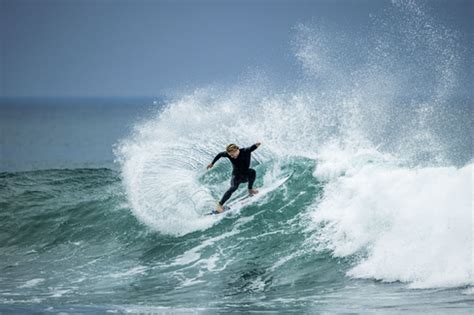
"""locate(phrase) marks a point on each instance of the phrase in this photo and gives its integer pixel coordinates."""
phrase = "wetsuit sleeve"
(218, 156)
(253, 147)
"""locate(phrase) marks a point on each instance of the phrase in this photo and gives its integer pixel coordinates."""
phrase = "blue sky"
(145, 48)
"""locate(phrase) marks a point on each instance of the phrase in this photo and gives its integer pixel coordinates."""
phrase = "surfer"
(241, 173)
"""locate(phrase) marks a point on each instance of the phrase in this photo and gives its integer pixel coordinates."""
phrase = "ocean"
(102, 201)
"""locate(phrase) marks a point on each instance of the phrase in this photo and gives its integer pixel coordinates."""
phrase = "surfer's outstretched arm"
(254, 146)
(218, 156)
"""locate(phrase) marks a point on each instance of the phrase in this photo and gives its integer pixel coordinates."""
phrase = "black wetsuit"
(241, 172)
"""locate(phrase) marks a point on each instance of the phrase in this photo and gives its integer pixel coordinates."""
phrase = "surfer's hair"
(231, 147)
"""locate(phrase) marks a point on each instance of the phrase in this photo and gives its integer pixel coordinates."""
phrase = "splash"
(382, 101)
(407, 224)
(400, 209)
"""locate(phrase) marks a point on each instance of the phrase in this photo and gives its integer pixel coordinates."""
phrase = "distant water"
(101, 202)
(42, 133)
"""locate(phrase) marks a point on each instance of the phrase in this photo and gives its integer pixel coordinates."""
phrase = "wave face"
(380, 202)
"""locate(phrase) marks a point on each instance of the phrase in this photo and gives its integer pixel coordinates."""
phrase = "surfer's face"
(234, 154)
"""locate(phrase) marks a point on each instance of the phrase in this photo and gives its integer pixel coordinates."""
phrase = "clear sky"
(131, 48)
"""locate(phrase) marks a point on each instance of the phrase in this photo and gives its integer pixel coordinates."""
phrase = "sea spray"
(405, 224)
(395, 186)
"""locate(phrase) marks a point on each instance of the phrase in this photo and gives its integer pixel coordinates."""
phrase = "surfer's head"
(233, 150)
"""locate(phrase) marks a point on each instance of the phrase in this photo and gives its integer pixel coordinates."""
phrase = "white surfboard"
(244, 201)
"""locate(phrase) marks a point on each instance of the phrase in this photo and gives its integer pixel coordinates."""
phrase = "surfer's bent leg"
(234, 184)
(252, 175)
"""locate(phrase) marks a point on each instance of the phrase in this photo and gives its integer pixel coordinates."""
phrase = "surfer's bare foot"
(219, 207)
(253, 192)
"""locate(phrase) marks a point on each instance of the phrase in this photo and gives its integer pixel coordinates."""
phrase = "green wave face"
(70, 235)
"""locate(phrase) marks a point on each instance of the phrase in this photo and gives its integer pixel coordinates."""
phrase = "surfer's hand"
(258, 144)
(210, 166)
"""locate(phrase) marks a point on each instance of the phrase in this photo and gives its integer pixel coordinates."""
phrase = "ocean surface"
(102, 200)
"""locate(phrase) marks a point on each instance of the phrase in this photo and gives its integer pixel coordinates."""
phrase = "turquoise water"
(71, 243)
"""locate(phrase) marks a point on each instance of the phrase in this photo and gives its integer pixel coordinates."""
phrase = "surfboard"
(244, 201)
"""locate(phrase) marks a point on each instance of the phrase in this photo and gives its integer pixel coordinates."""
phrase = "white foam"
(468, 291)
(57, 292)
(194, 254)
(15, 301)
(132, 272)
(163, 161)
(413, 224)
(32, 283)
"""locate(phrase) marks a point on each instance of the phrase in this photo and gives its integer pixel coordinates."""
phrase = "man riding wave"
(241, 171)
